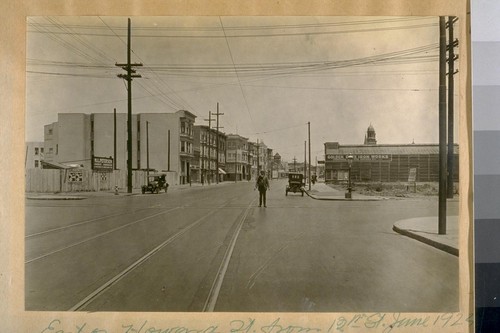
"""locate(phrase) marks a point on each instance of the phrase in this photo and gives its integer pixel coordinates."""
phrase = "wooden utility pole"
(305, 161)
(442, 128)
(209, 143)
(309, 139)
(452, 43)
(147, 150)
(114, 139)
(258, 153)
(130, 74)
(217, 141)
(168, 152)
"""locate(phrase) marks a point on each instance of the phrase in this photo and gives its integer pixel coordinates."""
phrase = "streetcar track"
(253, 277)
(102, 289)
(99, 235)
(87, 300)
(213, 295)
(106, 217)
(79, 224)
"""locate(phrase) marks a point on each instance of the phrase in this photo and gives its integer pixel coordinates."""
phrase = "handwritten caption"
(376, 322)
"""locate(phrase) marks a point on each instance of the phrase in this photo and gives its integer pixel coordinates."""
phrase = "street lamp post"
(348, 195)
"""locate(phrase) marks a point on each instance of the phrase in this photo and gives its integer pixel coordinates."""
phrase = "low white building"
(77, 137)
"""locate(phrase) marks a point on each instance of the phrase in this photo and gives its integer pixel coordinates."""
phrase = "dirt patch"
(398, 190)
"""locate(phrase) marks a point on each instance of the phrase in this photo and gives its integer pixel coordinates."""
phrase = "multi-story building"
(34, 155)
(222, 151)
(270, 162)
(252, 160)
(262, 161)
(277, 168)
(237, 167)
(211, 160)
(168, 137)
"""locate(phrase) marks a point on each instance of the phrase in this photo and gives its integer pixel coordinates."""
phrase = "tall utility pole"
(114, 139)
(130, 74)
(309, 139)
(442, 127)
(258, 153)
(305, 161)
(209, 142)
(168, 152)
(217, 141)
(147, 149)
(294, 164)
(452, 43)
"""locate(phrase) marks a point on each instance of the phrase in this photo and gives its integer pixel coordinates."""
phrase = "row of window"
(187, 128)
(186, 147)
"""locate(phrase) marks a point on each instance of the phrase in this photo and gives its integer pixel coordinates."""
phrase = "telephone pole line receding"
(309, 139)
(130, 74)
(217, 142)
(209, 145)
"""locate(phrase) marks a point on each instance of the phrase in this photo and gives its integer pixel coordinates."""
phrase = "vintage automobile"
(295, 183)
(156, 183)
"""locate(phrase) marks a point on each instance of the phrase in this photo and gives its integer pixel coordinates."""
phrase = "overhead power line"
(158, 33)
(246, 27)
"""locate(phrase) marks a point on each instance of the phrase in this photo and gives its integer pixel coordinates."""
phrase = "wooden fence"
(72, 180)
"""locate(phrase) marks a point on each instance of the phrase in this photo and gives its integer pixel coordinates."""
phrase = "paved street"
(212, 249)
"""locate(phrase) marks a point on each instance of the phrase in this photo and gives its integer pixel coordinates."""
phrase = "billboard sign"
(102, 164)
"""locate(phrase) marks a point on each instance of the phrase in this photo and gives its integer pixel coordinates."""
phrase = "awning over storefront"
(222, 171)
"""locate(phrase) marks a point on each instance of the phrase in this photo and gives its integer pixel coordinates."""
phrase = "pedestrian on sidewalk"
(262, 185)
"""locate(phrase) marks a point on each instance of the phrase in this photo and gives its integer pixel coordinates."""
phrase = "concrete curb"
(56, 198)
(339, 198)
(443, 247)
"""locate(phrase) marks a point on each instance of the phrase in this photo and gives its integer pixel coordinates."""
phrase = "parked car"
(156, 183)
(295, 183)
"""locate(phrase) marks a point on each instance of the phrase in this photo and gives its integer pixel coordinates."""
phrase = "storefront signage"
(358, 157)
(103, 164)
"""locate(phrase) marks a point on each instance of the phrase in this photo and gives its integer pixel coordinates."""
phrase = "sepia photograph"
(242, 164)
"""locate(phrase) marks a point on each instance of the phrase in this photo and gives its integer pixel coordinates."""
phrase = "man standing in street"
(262, 185)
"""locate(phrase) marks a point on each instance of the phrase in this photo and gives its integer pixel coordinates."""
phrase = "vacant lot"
(395, 189)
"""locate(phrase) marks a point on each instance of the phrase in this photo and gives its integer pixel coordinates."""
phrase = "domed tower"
(370, 136)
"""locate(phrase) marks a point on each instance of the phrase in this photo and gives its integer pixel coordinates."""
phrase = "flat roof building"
(374, 162)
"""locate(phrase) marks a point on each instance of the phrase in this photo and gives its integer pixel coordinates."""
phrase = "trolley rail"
(212, 294)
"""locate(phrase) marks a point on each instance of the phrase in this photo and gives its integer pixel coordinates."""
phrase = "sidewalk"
(121, 192)
(321, 191)
(425, 229)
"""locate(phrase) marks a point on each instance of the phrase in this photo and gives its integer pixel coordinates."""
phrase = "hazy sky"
(270, 75)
